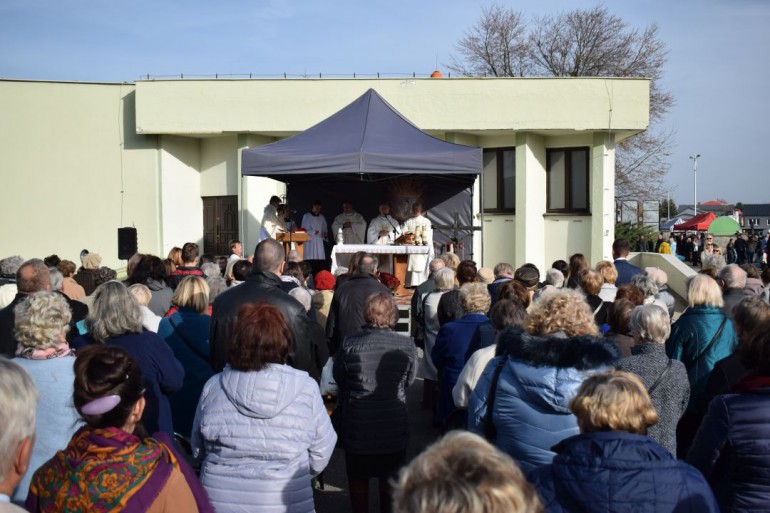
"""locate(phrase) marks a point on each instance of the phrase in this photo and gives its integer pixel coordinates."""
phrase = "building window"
(567, 180)
(500, 180)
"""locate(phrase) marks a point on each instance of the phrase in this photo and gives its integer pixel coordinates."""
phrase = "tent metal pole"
(481, 212)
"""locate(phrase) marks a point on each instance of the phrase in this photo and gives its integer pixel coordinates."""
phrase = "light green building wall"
(79, 160)
(74, 170)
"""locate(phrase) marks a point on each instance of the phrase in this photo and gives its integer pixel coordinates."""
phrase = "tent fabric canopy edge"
(367, 136)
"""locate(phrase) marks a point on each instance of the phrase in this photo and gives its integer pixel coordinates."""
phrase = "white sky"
(718, 67)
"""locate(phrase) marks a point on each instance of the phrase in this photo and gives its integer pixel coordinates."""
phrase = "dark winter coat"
(689, 339)
(346, 315)
(615, 471)
(373, 368)
(188, 338)
(671, 395)
(727, 372)
(162, 373)
(541, 375)
(307, 352)
(8, 341)
(732, 449)
(448, 356)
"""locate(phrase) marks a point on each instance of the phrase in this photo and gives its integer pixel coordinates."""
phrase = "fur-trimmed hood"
(555, 350)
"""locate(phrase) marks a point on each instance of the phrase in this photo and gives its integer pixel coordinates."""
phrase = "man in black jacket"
(346, 314)
(263, 284)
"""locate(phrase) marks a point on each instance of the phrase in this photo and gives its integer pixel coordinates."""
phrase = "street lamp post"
(695, 182)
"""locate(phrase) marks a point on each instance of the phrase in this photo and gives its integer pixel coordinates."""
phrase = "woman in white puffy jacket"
(261, 429)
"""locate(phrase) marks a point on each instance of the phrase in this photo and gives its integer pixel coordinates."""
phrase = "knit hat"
(92, 261)
(657, 275)
(486, 275)
(324, 280)
(527, 276)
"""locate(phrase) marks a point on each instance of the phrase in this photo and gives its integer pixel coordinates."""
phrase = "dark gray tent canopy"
(369, 141)
(368, 136)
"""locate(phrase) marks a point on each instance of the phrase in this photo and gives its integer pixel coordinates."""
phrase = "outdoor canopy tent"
(367, 136)
(368, 152)
(699, 222)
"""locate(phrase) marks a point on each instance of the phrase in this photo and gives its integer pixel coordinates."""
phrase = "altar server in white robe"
(269, 217)
(352, 223)
(274, 223)
(318, 230)
(383, 229)
(417, 266)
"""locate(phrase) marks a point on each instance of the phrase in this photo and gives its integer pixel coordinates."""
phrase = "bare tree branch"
(582, 42)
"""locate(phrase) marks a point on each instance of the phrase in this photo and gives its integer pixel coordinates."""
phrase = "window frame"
(499, 185)
(568, 155)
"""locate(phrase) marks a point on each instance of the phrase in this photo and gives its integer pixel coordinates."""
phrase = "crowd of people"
(203, 384)
(740, 249)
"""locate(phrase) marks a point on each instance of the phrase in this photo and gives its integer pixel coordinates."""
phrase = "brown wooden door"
(220, 223)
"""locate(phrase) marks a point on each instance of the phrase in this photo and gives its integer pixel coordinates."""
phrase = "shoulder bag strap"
(489, 426)
(187, 340)
(660, 378)
(713, 341)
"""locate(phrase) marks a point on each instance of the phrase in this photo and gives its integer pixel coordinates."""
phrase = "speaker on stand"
(127, 245)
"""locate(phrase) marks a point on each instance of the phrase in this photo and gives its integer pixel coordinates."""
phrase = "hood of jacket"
(155, 285)
(546, 372)
(555, 350)
(262, 394)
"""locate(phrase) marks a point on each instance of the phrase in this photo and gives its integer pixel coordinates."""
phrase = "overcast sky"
(718, 68)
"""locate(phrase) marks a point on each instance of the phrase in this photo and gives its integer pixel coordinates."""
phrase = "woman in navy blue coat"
(731, 447)
(186, 332)
(452, 343)
(115, 319)
(612, 465)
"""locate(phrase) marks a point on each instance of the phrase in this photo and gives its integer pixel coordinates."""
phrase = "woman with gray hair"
(18, 396)
(445, 281)
(41, 322)
(115, 319)
(665, 379)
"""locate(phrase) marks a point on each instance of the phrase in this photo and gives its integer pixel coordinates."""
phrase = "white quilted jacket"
(261, 436)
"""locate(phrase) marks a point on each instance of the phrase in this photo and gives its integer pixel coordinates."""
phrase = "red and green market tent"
(700, 222)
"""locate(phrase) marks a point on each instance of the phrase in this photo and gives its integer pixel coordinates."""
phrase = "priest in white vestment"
(352, 223)
(383, 229)
(274, 223)
(318, 230)
(417, 266)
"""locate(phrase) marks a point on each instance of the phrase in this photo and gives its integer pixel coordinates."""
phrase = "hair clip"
(101, 405)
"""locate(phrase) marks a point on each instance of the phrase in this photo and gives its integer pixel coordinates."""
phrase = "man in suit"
(626, 271)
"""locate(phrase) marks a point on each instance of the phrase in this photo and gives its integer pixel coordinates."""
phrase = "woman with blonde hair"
(612, 465)
(464, 473)
(41, 324)
(701, 337)
(521, 401)
(609, 276)
(187, 334)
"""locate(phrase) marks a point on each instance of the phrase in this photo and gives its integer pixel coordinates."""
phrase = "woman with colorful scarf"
(108, 465)
(41, 323)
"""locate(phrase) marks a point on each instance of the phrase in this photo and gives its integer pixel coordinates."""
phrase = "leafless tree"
(581, 42)
(498, 45)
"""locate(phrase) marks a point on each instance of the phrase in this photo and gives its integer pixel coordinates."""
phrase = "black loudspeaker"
(126, 243)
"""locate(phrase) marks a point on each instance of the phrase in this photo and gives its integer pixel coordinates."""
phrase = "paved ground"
(335, 499)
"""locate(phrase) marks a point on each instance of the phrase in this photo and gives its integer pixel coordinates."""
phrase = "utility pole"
(695, 182)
